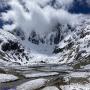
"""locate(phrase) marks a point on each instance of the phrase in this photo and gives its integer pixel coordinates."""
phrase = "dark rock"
(6, 47)
(1, 41)
(58, 35)
(58, 50)
(2, 71)
(13, 45)
(34, 38)
(42, 62)
(20, 50)
(19, 32)
(69, 45)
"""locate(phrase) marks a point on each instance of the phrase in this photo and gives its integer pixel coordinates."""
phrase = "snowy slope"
(11, 50)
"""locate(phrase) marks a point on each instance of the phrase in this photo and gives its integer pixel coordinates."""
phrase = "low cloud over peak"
(40, 16)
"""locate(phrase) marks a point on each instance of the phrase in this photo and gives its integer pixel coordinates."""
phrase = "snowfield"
(80, 74)
(87, 66)
(76, 87)
(7, 78)
(42, 74)
(32, 85)
(50, 88)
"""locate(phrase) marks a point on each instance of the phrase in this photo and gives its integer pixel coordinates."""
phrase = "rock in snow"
(32, 85)
(7, 78)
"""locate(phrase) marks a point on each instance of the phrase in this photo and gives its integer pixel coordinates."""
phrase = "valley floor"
(44, 77)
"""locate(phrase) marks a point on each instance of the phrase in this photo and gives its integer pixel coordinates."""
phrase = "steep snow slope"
(11, 50)
(75, 46)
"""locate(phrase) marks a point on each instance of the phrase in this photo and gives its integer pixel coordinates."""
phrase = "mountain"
(69, 45)
(11, 50)
(72, 49)
(54, 39)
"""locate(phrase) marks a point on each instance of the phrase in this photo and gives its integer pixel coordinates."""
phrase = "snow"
(42, 74)
(76, 87)
(44, 49)
(50, 88)
(79, 74)
(7, 77)
(63, 67)
(4, 35)
(40, 16)
(43, 52)
(33, 84)
(87, 66)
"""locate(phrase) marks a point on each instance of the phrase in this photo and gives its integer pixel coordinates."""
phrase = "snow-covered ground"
(76, 87)
(79, 74)
(41, 74)
(50, 88)
(7, 78)
(87, 66)
(33, 84)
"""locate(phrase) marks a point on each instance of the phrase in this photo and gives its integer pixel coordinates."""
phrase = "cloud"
(41, 20)
(65, 4)
(88, 2)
